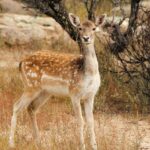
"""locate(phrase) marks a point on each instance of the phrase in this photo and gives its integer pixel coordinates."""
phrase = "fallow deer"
(47, 73)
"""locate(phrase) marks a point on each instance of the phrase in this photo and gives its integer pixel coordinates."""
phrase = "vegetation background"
(121, 120)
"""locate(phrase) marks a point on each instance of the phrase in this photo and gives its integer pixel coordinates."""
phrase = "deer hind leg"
(88, 106)
(80, 121)
(32, 109)
(19, 106)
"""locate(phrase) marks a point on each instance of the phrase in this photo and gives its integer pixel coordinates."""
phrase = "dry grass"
(58, 130)
(57, 123)
(114, 130)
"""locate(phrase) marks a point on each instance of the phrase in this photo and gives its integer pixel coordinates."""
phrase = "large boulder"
(22, 29)
(127, 8)
(13, 6)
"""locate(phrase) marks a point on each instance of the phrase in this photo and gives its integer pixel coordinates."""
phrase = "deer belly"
(55, 85)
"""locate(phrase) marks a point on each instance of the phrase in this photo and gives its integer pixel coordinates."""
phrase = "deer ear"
(75, 21)
(100, 20)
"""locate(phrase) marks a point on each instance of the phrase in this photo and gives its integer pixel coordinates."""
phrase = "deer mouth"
(89, 41)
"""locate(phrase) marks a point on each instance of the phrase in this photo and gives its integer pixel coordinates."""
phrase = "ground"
(58, 131)
(114, 130)
(56, 121)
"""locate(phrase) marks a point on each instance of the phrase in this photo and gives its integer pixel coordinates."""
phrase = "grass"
(117, 127)
(116, 130)
(58, 130)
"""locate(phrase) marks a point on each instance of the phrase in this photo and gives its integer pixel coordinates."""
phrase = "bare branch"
(133, 17)
(90, 7)
(122, 39)
(134, 62)
(57, 10)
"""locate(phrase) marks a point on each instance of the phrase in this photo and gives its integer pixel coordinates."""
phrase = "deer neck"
(90, 59)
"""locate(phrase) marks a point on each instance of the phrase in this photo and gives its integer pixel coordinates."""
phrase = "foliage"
(134, 62)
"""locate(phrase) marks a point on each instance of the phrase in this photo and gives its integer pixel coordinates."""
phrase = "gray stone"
(22, 29)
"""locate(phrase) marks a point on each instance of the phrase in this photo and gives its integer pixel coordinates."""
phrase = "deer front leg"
(80, 121)
(88, 105)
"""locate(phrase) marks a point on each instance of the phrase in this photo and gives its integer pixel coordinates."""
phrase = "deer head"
(88, 28)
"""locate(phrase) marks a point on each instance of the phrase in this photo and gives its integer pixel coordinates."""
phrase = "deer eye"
(80, 28)
(94, 29)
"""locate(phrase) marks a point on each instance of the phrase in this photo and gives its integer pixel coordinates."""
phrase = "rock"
(12, 6)
(127, 8)
(22, 29)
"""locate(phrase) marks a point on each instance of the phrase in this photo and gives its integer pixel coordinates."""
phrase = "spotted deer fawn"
(47, 73)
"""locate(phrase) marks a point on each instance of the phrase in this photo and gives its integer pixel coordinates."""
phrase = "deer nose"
(86, 38)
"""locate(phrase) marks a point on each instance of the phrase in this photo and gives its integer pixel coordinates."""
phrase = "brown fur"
(88, 24)
(65, 66)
